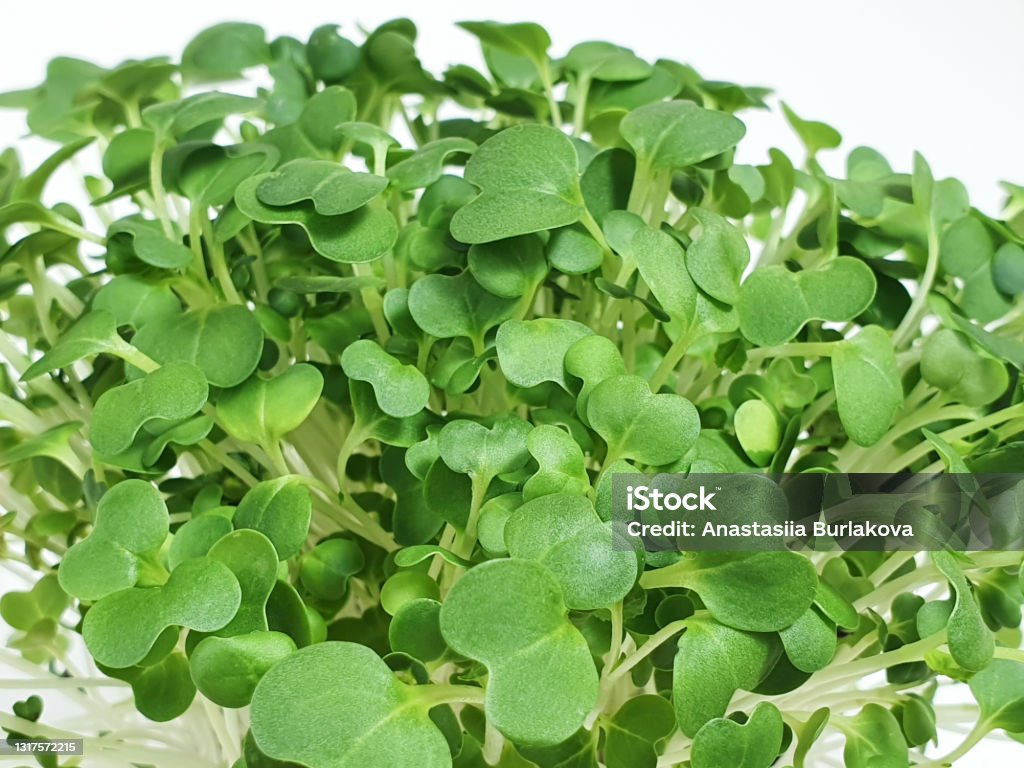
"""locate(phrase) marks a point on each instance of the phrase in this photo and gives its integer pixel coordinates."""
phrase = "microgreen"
(313, 411)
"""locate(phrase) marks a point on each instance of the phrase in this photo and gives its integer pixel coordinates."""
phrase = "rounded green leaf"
(757, 428)
(401, 390)
(131, 520)
(542, 680)
(280, 509)
(675, 134)
(363, 235)
(263, 411)
(531, 352)
(324, 571)
(170, 393)
(867, 384)
(636, 424)
(226, 670)
(542, 193)
(447, 307)
(508, 268)
(200, 594)
(416, 630)
(713, 661)
(475, 450)
(717, 258)
(332, 188)
(374, 720)
(224, 342)
(754, 744)
(950, 363)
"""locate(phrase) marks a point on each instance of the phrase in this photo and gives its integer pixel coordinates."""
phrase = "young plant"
(309, 414)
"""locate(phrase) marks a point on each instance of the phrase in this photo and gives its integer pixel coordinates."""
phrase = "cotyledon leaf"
(224, 342)
(365, 234)
(531, 352)
(401, 389)
(541, 192)
(674, 134)
(332, 188)
(262, 410)
(867, 384)
(542, 680)
(338, 705)
(174, 391)
(131, 520)
(120, 629)
(563, 532)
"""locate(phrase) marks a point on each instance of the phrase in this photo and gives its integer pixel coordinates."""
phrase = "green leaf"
(757, 428)
(150, 244)
(520, 39)
(713, 662)
(867, 384)
(508, 268)
(364, 234)
(224, 342)
(447, 307)
(810, 641)
(636, 731)
(560, 460)
(426, 165)
(226, 670)
(808, 733)
(874, 740)
(754, 744)
(135, 301)
(543, 193)
(717, 258)
(263, 411)
(281, 510)
(563, 532)
(483, 453)
(542, 681)
(949, 363)
(250, 556)
(375, 719)
(94, 333)
(970, 642)
(651, 429)
(999, 691)
(333, 188)
(131, 521)
(171, 393)
(814, 135)
(675, 134)
(531, 352)
(324, 570)
(200, 594)
(223, 51)
(774, 303)
(416, 630)
(401, 390)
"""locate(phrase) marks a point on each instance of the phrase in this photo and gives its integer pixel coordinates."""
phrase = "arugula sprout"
(310, 414)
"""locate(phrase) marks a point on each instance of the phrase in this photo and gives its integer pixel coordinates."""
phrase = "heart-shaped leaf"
(949, 363)
(675, 134)
(131, 521)
(365, 234)
(120, 629)
(447, 307)
(94, 333)
(401, 390)
(562, 467)
(262, 410)
(754, 744)
(173, 392)
(375, 719)
(426, 165)
(531, 352)
(651, 429)
(543, 193)
(542, 680)
(867, 384)
(564, 533)
(227, 669)
(712, 663)
(332, 188)
(280, 509)
(224, 342)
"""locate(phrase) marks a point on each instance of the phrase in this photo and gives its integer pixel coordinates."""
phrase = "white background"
(941, 77)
